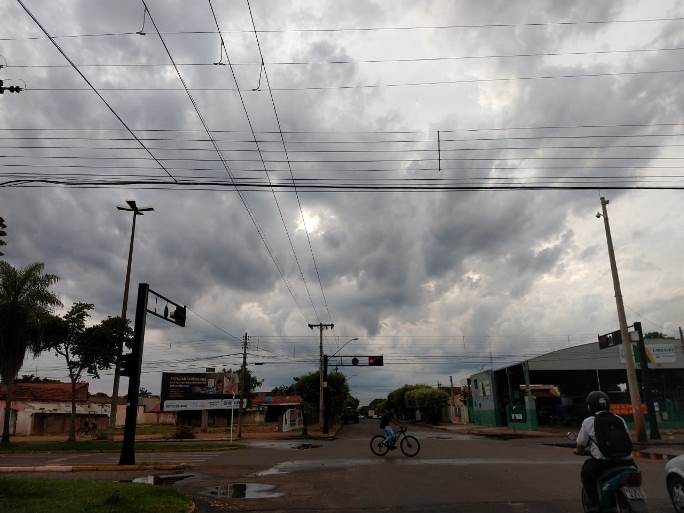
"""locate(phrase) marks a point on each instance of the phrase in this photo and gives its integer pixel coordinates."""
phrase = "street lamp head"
(599, 215)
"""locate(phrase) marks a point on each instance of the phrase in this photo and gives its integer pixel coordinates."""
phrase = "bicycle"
(408, 444)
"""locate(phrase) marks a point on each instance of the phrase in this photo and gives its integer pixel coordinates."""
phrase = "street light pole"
(132, 207)
(639, 423)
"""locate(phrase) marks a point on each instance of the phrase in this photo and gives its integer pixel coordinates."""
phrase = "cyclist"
(388, 418)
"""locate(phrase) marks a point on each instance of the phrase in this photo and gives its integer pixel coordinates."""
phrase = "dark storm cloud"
(471, 263)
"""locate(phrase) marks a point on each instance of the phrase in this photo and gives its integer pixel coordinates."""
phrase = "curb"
(92, 468)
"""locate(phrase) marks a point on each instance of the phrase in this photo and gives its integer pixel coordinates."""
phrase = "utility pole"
(453, 398)
(681, 336)
(646, 383)
(639, 422)
(322, 384)
(243, 385)
(132, 207)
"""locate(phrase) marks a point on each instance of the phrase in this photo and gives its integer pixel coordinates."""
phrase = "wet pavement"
(453, 472)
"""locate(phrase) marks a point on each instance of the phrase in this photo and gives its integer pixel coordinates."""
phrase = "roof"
(662, 354)
(46, 392)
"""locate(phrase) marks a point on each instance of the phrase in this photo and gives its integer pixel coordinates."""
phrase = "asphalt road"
(453, 473)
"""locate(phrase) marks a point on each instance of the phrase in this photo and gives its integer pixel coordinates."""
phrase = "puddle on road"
(245, 491)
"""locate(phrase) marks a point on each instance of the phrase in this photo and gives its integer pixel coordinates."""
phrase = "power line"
(93, 88)
(380, 85)
(263, 163)
(453, 130)
(262, 236)
(361, 61)
(369, 29)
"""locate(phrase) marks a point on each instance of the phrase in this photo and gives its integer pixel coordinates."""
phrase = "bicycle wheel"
(410, 446)
(377, 445)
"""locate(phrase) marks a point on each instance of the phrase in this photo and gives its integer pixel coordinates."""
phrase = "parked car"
(674, 476)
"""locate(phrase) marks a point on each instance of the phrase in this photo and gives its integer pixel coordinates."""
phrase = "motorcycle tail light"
(631, 479)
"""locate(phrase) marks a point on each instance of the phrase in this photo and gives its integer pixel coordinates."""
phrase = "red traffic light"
(375, 361)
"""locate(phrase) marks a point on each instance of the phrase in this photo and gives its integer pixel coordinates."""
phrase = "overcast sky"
(511, 273)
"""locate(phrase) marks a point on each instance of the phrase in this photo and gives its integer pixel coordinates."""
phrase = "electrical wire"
(287, 157)
(359, 61)
(373, 29)
(262, 235)
(93, 88)
(379, 85)
(224, 49)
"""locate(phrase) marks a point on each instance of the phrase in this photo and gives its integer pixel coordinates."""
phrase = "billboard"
(199, 390)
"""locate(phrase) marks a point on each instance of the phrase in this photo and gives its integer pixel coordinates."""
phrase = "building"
(559, 382)
(45, 408)
(456, 411)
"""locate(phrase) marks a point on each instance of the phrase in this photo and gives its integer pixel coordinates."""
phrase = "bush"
(100, 435)
(183, 433)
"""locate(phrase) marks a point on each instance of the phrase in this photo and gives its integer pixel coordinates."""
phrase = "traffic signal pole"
(646, 384)
(639, 423)
(128, 448)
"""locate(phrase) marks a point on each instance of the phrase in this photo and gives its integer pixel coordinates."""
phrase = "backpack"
(612, 437)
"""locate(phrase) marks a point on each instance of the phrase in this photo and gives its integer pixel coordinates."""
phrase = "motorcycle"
(619, 490)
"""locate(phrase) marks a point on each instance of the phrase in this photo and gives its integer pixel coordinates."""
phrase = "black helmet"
(597, 401)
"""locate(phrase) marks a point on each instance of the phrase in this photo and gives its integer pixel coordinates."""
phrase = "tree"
(283, 390)
(396, 400)
(26, 300)
(144, 392)
(429, 401)
(252, 380)
(307, 386)
(84, 349)
(656, 334)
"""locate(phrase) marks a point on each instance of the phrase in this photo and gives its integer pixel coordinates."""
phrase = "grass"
(105, 446)
(28, 495)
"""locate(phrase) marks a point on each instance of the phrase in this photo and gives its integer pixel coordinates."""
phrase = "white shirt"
(587, 437)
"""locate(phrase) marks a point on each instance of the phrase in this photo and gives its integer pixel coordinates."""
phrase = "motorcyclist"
(588, 443)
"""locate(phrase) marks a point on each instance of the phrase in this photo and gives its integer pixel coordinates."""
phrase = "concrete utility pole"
(243, 385)
(639, 423)
(321, 403)
(132, 207)
(453, 398)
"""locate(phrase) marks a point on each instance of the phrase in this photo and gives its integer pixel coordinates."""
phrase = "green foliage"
(254, 382)
(144, 392)
(26, 300)
(307, 386)
(35, 495)
(374, 403)
(351, 403)
(429, 401)
(405, 400)
(283, 390)
(84, 349)
(657, 334)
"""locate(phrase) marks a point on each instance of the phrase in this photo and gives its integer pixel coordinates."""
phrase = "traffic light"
(355, 361)
(128, 365)
(3, 233)
(11, 89)
(178, 315)
(375, 361)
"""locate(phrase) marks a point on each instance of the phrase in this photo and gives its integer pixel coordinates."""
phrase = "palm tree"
(25, 300)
